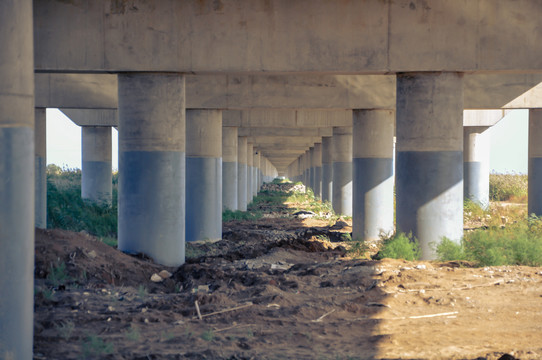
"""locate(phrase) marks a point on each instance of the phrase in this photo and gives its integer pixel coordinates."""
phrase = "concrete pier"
(317, 166)
(255, 172)
(342, 170)
(96, 176)
(203, 175)
(152, 166)
(535, 162)
(372, 173)
(429, 169)
(230, 171)
(250, 177)
(327, 168)
(40, 168)
(17, 162)
(311, 161)
(241, 173)
(476, 143)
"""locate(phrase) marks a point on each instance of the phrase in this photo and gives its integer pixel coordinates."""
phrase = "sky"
(508, 152)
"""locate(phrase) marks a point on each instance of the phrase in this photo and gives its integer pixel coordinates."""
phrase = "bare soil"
(276, 289)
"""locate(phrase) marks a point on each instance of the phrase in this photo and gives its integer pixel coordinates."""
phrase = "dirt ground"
(275, 288)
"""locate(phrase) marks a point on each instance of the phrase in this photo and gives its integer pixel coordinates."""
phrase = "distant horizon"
(508, 152)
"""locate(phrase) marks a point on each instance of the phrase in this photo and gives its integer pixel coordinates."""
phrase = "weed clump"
(399, 246)
(508, 187)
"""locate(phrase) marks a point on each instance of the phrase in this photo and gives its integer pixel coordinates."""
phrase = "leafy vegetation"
(67, 210)
(95, 347)
(508, 187)
(519, 243)
(400, 246)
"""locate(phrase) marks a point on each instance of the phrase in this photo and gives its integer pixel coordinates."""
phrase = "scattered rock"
(156, 278)
(92, 254)
(164, 274)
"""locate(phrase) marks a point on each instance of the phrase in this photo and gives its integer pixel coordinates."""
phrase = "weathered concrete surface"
(327, 169)
(17, 183)
(476, 146)
(250, 178)
(342, 170)
(284, 36)
(152, 156)
(40, 169)
(242, 173)
(229, 168)
(535, 162)
(93, 117)
(373, 174)
(96, 172)
(203, 175)
(429, 162)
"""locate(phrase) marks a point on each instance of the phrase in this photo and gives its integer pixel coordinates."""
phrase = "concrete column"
(230, 171)
(373, 173)
(250, 155)
(204, 175)
(306, 168)
(476, 144)
(96, 173)
(311, 160)
(535, 162)
(152, 166)
(342, 170)
(17, 182)
(317, 166)
(242, 173)
(255, 170)
(40, 168)
(327, 169)
(429, 168)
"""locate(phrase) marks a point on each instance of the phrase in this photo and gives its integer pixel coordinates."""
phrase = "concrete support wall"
(342, 170)
(476, 143)
(96, 176)
(327, 169)
(317, 165)
(152, 166)
(242, 173)
(40, 168)
(429, 169)
(203, 175)
(230, 170)
(17, 183)
(535, 162)
(373, 173)
(250, 158)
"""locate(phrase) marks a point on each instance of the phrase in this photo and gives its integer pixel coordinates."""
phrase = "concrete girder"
(281, 36)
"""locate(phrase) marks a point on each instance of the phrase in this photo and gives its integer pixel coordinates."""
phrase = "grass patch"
(67, 210)
(519, 243)
(58, 274)
(95, 347)
(508, 187)
(399, 246)
(229, 215)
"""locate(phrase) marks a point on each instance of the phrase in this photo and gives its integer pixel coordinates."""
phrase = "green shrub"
(517, 244)
(229, 215)
(504, 187)
(400, 246)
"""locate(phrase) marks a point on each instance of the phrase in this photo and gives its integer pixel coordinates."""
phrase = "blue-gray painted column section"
(311, 167)
(317, 166)
(372, 173)
(242, 173)
(476, 144)
(230, 169)
(535, 163)
(429, 164)
(16, 180)
(327, 169)
(152, 166)
(40, 168)
(342, 170)
(203, 175)
(250, 154)
(255, 170)
(96, 172)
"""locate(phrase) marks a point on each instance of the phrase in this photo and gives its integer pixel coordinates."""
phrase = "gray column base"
(535, 186)
(342, 188)
(476, 183)
(16, 242)
(96, 182)
(242, 187)
(372, 198)
(40, 210)
(152, 205)
(229, 186)
(429, 189)
(327, 182)
(203, 199)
